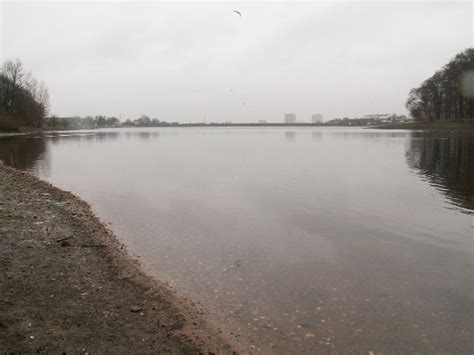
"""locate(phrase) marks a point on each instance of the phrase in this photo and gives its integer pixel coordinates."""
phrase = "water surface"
(298, 239)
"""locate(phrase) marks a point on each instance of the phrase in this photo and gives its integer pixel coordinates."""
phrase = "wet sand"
(67, 284)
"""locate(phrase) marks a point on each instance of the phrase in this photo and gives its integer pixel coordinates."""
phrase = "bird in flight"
(238, 13)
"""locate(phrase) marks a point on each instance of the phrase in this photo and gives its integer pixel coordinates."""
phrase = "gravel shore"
(67, 285)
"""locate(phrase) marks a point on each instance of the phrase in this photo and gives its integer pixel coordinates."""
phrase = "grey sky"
(186, 61)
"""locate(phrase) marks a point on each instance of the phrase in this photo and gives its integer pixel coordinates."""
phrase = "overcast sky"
(186, 61)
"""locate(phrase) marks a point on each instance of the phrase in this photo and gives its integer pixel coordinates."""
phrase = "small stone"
(135, 309)
(65, 243)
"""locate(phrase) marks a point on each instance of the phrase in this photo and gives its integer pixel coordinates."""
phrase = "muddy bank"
(67, 285)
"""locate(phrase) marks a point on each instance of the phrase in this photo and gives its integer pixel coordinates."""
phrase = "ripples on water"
(298, 240)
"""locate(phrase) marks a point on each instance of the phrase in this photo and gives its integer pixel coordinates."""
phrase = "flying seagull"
(237, 12)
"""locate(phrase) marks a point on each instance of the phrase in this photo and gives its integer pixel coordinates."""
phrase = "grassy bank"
(67, 285)
(431, 125)
(8, 124)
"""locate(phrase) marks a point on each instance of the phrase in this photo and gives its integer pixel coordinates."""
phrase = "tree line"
(89, 122)
(24, 101)
(448, 94)
(55, 122)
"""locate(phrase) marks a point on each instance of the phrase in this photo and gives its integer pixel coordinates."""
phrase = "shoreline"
(442, 125)
(68, 284)
(457, 126)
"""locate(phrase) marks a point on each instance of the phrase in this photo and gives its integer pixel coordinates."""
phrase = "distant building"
(384, 118)
(262, 121)
(290, 118)
(317, 118)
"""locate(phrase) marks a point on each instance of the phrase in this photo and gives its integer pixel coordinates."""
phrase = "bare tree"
(444, 95)
(21, 95)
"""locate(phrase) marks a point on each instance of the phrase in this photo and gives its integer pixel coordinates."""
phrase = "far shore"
(69, 286)
(439, 125)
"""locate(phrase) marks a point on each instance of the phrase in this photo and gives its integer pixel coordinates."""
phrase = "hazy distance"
(189, 61)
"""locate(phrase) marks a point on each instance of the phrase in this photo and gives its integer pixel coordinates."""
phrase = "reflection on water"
(447, 163)
(23, 152)
(290, 135)
(329, 243)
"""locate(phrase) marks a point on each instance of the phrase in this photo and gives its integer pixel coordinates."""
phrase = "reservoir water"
(298, 240)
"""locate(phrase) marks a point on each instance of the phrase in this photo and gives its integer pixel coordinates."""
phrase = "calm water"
(298, 240)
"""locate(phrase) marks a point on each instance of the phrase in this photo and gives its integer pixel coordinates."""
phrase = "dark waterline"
(298, 239)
